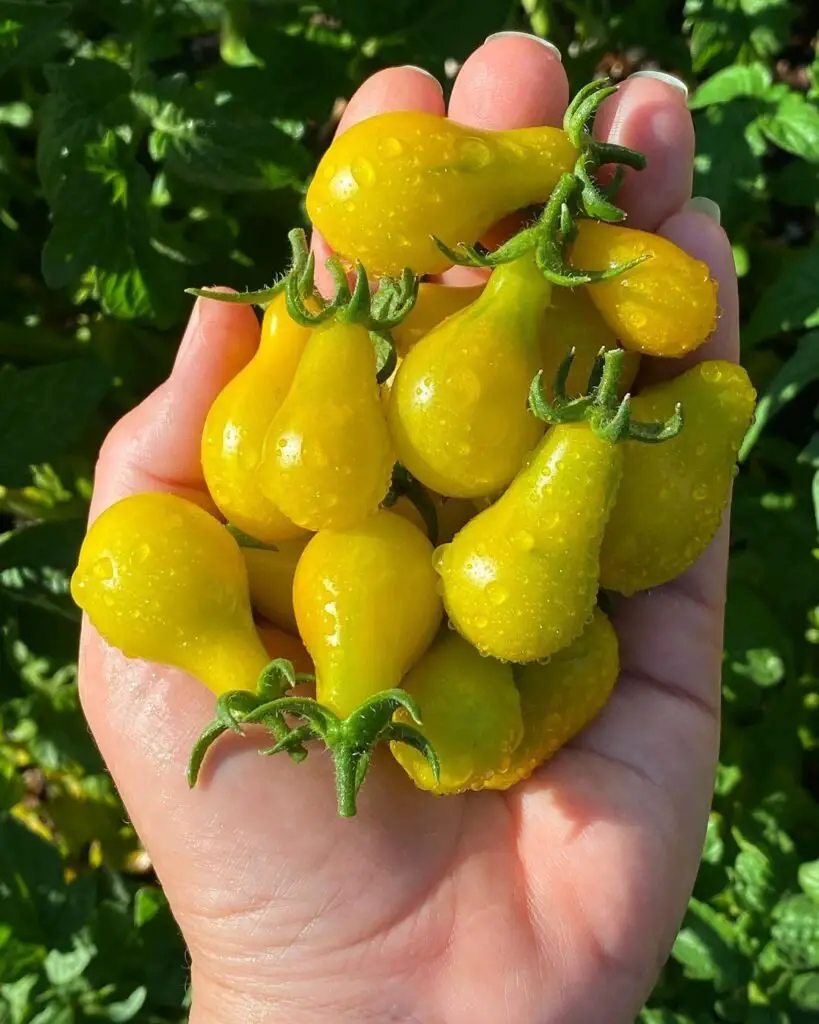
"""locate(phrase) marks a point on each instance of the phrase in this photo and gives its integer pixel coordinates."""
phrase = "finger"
(404, 88)
(156, 446)
(650, 114)
(697, 230)
(514, 80)
(671, 637)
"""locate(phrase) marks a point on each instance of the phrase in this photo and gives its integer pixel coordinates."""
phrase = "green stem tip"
(351, 740)
(576, 195)
(238, 708)
(607, 415)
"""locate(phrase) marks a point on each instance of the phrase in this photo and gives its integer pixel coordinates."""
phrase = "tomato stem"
(600, 407)
(351, 740)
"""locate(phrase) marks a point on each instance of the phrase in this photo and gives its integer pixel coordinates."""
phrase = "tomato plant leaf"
(29, 32)
(801, 369)
(790, 302)
(43, 411)
(794, 127)
(751, 80)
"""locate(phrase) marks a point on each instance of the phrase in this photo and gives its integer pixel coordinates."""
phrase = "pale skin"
(554, 903)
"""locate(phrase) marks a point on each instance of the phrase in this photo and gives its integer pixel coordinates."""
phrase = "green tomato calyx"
(238, 708)
(405, 485)
(576, 195)
(607, 415)
(351, 740)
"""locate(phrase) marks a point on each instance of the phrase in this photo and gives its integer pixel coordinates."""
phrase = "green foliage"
(147, 146)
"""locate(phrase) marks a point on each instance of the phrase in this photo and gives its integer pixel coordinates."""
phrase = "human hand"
(556, 901)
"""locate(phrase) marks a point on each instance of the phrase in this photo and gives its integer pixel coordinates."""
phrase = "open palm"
(554, 902)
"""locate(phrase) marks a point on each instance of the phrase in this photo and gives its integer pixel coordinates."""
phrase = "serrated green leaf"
(43, 411)
(102, 230)
(219, 145)
(753, 878)
(713, 846)
(794, 127)
(752, 80)
(29, 32)
(88, 100)
(791, 301)
(128, 1008)
(148, 902)
(16, 995)
(64, 968)
(801, 369)
(728, 166)
(796, 931)
(804, 991)
(706, 948)
(809, 878)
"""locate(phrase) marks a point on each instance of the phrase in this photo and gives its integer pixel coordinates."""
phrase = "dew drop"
(143, 552)
(710, 373)
(481, 623)
(474, 154)
(390, 146)
(438, 557)
(363, 171)
(700, 492)
(349, 206)
(523, 540)
(497, 593)
(104, 569)
(329, 171)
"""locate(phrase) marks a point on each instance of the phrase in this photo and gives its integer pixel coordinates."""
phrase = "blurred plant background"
(151, 145)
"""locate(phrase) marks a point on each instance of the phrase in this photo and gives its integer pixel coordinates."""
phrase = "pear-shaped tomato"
(280, 644)
(367, 607)
(390, 182)
(327, 461)
(666, 306)
(520, 579)
(270, 573)
(161, 579)
(572, 322)
(457, 411)
(470, 710)
(672, 496)
(560, 697)
(238, 422)
(434, 304)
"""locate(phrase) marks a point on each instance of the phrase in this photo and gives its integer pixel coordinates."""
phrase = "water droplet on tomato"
(390, 146)
(523, 540)
(497, 593)
(438, 557)
(363, 171)
(474, 154)
(710, 373)
(104, 569)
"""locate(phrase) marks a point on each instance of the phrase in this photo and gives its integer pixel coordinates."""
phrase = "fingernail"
(705, 206)
(527, 35)
(663, 76)
(422, 71)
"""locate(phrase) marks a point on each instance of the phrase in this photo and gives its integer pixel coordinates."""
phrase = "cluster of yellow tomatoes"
(420, 456)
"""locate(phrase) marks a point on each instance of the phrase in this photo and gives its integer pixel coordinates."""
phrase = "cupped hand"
(554, 902)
